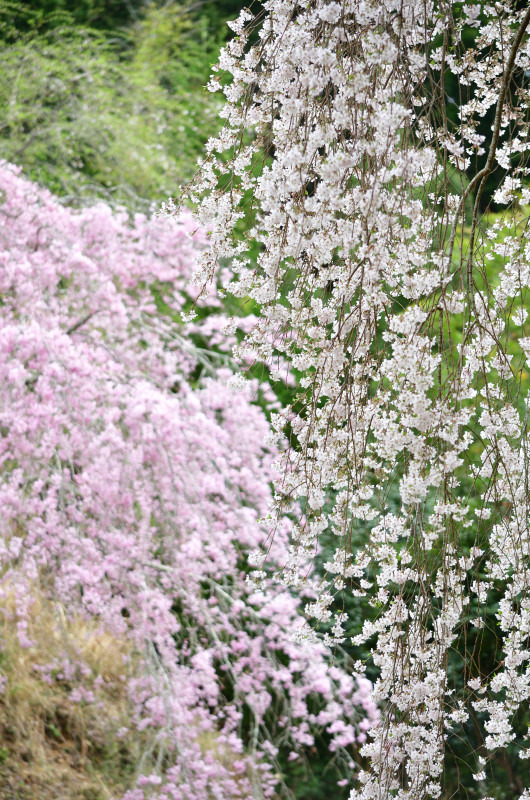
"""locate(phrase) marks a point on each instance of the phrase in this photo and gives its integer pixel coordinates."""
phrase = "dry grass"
(53, 747)
(50, 745)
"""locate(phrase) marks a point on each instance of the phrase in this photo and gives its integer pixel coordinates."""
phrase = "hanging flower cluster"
(403, 315)
(131, 494)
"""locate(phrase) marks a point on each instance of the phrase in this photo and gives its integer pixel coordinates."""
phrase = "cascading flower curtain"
(348, 192)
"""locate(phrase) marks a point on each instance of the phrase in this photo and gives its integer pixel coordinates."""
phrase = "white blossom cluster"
(340, 163)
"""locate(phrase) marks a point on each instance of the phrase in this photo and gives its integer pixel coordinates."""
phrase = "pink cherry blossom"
(132, 484)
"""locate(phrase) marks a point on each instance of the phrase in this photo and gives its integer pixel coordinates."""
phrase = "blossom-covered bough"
(401, 308)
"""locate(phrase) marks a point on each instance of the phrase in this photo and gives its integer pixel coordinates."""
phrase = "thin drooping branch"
(481, 177)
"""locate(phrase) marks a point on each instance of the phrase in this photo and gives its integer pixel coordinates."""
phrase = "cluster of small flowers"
(131, 494)
(363, 277)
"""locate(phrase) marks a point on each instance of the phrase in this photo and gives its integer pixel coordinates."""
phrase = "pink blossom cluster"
(408, 437)
(131, 493)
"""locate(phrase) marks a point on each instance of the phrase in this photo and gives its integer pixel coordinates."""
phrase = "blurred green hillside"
(107, 99)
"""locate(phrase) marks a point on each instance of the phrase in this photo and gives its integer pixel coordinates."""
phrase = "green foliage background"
(120, 114)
